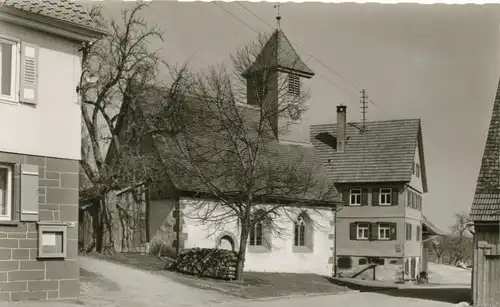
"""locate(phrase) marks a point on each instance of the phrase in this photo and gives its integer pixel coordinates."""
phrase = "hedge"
(206, 262)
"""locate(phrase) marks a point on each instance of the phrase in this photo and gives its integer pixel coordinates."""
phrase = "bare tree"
(438, 248)
(459, 245)
(116, 69)
(227, 148)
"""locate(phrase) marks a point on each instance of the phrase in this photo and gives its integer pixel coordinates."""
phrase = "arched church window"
(299, 237)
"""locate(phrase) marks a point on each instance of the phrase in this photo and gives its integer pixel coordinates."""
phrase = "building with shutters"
(40, 147)
(379, 168)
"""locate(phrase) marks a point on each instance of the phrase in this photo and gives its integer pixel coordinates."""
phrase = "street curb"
(264, 299)
(272, 298)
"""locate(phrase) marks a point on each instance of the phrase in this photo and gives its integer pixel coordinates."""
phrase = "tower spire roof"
(279, 53)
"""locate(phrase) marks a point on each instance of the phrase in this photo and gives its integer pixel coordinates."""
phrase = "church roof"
(278, 52)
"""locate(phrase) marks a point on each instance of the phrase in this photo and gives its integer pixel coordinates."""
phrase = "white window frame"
(256, 235)
(383, 192)
(365, 228)
(356, 193)
(16, 66)
(301, 225)
(385, 230)
(8, 192)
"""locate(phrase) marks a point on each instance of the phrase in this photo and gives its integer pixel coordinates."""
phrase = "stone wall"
(22, 275)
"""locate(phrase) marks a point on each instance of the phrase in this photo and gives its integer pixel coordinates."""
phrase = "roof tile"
(383, 153)
(63, 10)
(486, 204)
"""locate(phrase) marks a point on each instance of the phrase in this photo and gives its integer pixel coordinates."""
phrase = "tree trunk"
(240, 262)
(98, 226)
(109, 243)
(103, 234)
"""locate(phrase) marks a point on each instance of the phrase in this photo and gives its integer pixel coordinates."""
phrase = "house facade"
(485, 215)
(40, 147)
(379, 168)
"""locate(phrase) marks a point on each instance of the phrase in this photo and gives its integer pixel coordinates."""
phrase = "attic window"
(293, 84)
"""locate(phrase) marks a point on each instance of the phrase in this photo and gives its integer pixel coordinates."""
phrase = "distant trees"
(457, 246)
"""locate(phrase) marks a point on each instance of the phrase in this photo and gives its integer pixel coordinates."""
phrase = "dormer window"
(293, 84)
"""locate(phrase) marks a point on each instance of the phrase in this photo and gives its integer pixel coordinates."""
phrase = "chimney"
(341, 127)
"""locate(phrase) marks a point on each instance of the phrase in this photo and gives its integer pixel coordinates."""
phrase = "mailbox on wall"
(52, 240)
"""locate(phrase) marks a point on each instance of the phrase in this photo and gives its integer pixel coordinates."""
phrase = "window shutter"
(345, 197)
(395, 197)
(364, 197)
(353, 231)
(375, 197)
(394, 231)
(29, 193)
(373, 231)
(29, 73)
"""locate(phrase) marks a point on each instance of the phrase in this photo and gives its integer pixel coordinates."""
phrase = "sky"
(439, 63)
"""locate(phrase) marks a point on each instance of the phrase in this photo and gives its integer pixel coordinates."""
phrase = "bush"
(159, 248)
(206, 262)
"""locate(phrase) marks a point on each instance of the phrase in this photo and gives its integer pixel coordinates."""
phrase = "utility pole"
(364, 108)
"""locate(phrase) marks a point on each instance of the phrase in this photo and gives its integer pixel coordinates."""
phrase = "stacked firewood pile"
(206, 262)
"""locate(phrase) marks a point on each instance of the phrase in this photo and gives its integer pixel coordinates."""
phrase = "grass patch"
(256, 285)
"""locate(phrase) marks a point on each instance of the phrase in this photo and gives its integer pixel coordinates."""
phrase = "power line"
(298, 46)
(257, 32)
(236, 17)
(315, 58)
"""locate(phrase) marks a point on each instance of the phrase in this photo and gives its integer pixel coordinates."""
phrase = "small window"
(393, 261)
(385, 196)
(362, 261)
(362, 232)
(384, 232)
(256, 234)
(5, 192)
(299, 232)
(408, 231)
(418, 170)
(355, 197)
(294, 111)
(417, 234)
(413, 168)
(9, 51)
(410, 198)
(293, 84)
(344, 263)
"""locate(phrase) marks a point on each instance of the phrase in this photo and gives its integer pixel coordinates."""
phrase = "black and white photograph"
(174, 153)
